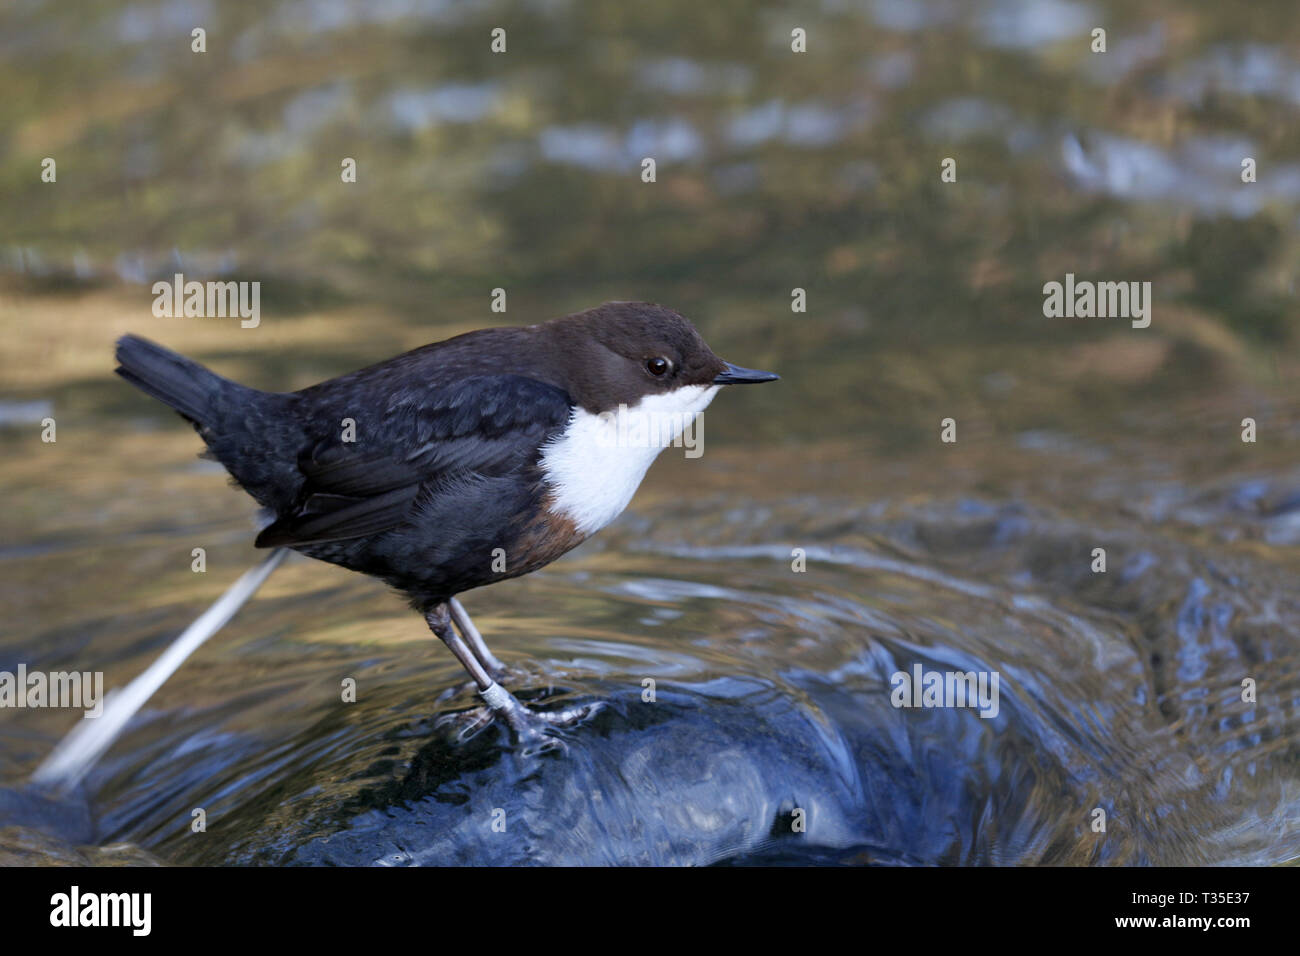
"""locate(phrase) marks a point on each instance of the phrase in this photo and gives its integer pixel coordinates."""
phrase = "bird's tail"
(182, 383)
(253, 433)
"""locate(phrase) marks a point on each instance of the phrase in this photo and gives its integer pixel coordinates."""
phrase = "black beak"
(735, 375)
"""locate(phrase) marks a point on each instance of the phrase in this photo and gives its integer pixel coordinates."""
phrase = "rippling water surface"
(825, 541)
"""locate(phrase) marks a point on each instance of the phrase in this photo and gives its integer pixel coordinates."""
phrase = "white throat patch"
(592, 467)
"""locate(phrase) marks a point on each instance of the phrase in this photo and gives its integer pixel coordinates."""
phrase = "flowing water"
(826, 540)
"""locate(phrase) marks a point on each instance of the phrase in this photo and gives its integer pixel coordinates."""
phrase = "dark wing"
(485, 425)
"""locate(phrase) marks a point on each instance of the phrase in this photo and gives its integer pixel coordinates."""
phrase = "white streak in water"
(78, 752)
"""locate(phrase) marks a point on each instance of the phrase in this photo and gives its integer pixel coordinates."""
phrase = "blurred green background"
(776, 170)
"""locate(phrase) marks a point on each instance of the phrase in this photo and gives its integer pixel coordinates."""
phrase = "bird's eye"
(658, 365)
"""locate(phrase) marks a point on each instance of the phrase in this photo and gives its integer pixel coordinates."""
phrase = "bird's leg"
(474, 639)
(527, 724)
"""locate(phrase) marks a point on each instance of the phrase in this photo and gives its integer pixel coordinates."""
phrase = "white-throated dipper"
(459, 464)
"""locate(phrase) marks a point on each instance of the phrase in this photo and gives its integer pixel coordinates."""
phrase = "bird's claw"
(535, 729)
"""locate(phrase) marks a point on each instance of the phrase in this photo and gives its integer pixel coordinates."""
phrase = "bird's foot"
(535, 729)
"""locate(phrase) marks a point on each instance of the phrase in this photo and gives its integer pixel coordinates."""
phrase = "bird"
(459, 464)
